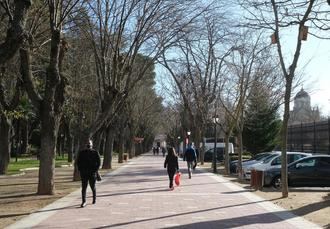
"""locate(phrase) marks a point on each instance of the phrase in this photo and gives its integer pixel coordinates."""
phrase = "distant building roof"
(301, 94)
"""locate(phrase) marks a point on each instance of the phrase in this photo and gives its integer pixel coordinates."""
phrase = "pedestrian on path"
(191, 158)
(172, 165)
(88, 162)
(163, 151)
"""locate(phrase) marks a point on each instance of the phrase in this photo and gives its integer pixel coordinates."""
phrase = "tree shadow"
(311, 207)
(264, 218)
(18, 196)
(39, 211)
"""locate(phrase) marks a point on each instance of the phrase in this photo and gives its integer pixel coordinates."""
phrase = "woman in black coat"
(172, 165)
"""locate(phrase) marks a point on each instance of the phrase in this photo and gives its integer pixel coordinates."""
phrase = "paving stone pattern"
(137, 196)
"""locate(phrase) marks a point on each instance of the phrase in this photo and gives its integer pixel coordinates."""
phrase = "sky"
(314, 64)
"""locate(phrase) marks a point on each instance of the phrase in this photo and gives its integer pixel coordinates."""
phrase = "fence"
(310, 137)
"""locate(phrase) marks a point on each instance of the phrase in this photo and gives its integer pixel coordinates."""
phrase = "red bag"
(177, 178)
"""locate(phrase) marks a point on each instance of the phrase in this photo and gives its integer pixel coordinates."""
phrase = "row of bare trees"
(87, 67)
(214, 71)
(217, 67)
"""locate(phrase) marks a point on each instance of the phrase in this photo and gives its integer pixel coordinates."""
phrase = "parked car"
(208, 154)
(254, 159)
(311, 171)
(273, 161)
(246, 167)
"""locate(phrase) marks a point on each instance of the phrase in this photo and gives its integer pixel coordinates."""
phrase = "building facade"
(302, 111)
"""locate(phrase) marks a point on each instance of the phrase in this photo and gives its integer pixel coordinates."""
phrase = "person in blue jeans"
(172, 165)
(191, 158)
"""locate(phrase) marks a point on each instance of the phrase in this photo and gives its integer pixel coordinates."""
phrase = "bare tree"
(277, 17)
(50, 102)
(249, 64)
(196, 69)
(16, 12)
(9, 99)
(118, 32)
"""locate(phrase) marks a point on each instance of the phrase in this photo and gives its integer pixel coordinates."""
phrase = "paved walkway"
(137, 196)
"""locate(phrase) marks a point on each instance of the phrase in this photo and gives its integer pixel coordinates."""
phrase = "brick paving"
(137, 196)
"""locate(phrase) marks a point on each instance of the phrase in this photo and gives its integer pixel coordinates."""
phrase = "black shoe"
(83, 204)
(94, 201)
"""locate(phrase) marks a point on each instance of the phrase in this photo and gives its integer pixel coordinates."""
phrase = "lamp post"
(215, 121)
(179, 145)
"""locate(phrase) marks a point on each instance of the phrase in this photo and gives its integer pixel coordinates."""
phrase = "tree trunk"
(198, 140)
(76, 144)
(49, 128)
(227, 167)
(98, 141)
(107, 157)
(4, 144)
(284, 134)
(132, 150)
(69, 140)
(240, 153)
(70, 147)
(24, 136)
(121, 147)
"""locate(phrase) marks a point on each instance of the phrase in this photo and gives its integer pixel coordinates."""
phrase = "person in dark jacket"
(191, 158)
(172, 165)
(163, 151)
(88, 162)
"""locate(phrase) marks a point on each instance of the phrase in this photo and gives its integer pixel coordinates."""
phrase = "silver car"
(273, 161)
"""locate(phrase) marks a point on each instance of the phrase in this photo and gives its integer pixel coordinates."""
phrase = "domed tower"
(302, 101)
(302, 111)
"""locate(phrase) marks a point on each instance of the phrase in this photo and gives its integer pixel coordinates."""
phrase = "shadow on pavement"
(224, 223)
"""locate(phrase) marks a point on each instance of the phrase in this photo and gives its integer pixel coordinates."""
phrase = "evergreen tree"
(262, 123)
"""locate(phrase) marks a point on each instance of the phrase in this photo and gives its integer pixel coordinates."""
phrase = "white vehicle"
(272, 161)
(209, 144)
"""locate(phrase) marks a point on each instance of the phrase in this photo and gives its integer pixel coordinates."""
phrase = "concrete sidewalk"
(137, 196)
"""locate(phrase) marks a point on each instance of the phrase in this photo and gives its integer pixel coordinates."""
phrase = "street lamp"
(178, 145)
(215, 120)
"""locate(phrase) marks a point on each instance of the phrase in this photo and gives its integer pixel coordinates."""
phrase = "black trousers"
(171, 174)
(85, 179)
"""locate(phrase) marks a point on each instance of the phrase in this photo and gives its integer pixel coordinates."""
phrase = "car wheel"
(277, 182)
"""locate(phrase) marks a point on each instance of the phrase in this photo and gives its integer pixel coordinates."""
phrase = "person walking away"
(154, 150)
(172, 165)
(88, 162)
(191, 158)
(163, 151)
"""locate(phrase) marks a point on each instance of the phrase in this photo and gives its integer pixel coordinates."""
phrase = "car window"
(269, 158)
(263, 157)
(307, 163)
(220, 150)
(294, 157)
(277, 161)
(258, 156)
(324, 162)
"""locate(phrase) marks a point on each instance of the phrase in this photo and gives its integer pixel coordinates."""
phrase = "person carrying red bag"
(172, 165)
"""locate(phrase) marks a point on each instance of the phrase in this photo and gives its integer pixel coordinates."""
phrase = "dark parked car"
(208, 154)
(311, 171)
